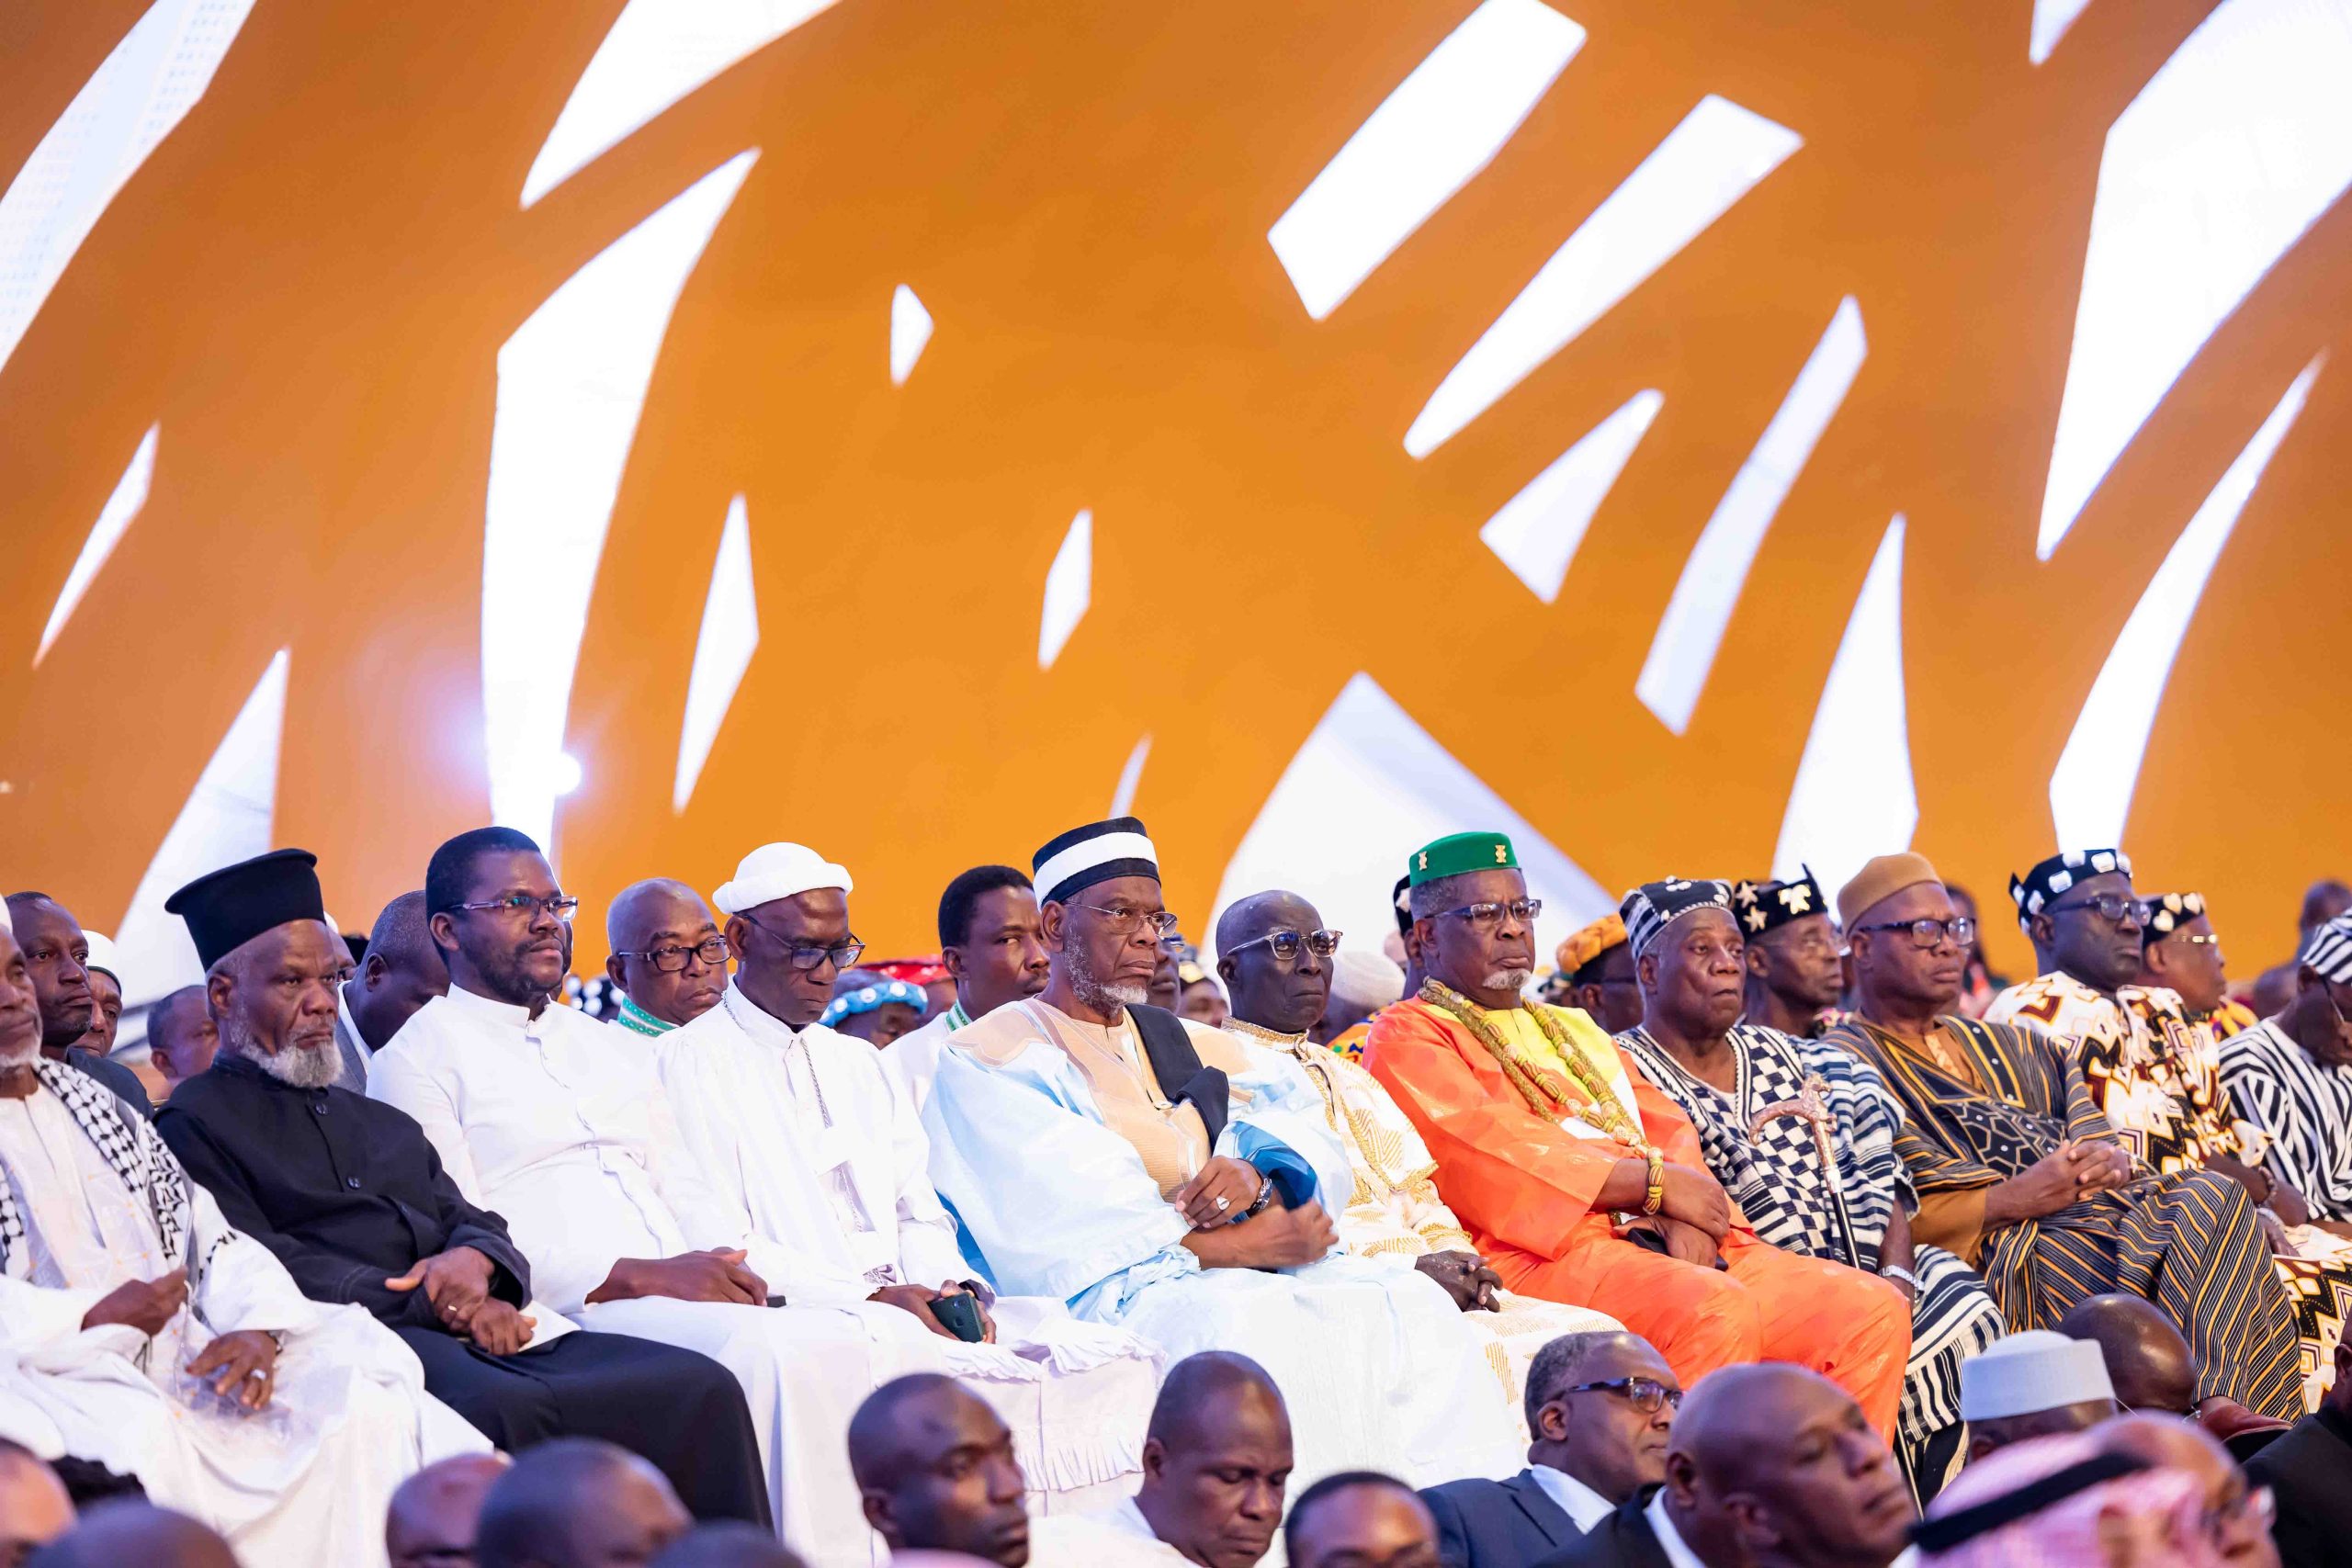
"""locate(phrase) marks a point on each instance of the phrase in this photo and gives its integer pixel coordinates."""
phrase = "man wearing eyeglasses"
(1274, 953)
(1795, 972)
(1174, 1179)
(2292, 1076)
(669, 958)
(560, 1123)
(2017, 1172)
(1579, 1181)
(2180, 952)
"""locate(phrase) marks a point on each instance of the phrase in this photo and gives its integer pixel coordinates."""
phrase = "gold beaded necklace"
(1537, 1084)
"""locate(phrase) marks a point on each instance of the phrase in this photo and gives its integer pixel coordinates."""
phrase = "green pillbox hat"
(1458, 852)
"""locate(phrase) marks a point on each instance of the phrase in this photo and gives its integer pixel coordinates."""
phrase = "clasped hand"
(456, 1284)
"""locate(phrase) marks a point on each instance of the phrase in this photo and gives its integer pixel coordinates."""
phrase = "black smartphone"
(960, 1316)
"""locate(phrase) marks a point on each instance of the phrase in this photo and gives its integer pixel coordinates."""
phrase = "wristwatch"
(1890, 1271)
(1265, 1196)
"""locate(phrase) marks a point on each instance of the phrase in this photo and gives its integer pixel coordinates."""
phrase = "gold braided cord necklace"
(1537, 1084)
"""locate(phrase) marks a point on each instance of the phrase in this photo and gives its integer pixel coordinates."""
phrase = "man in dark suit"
(2309, 1472)
(1768, 1465)
(1600, 1407)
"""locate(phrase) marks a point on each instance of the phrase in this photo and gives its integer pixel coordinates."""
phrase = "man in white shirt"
(560, 1123)
(401, 972)
(994, 943)
(811, 1147)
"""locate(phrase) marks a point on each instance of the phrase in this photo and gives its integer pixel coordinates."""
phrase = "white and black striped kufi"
(2044, 884)
(2328, 952)
(1099, 851)
(1649, 909)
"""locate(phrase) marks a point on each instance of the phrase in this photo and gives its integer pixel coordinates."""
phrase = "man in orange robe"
(1579, 1183)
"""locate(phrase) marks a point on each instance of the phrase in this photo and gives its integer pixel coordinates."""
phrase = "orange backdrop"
(307, 283)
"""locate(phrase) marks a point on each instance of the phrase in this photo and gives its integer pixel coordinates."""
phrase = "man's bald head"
(1217, 1460)
(577, 1503)
(731, 1543)
(653, 925)
(1247, 920)
(404, 970)
(1201, 1390)
(1285, 994)
(2148, 1359)
(113, 1534)
(936, 1469)
(434, 1513)
(1767, 1459)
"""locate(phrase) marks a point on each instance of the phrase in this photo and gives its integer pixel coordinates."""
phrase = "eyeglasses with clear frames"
(1126, 922)
(671, 960)
(1645, 1394)
(560, 905)
(1523, 910)
(1926, 933)
(1285, 944)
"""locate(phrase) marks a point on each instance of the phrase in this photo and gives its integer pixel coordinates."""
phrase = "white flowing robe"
(1375, 1364)
(810, 1144)
(303, 1481)
(560, 1124)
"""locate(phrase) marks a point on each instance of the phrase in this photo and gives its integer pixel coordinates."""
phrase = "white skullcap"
(1362, 979)
(2031, 1372)
(102, 954)
(778, 871)
(5, 924)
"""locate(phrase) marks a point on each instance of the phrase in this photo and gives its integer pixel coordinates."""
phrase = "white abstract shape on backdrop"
(723, 650)
(137, 95)
(2230, 153)
(2051, 20)
(1070, 588)
(1854, 795)
(1689, 634)
(129, 496)
(910, 332)
(1444, 122)
(571, 383)
(1122, 797)
(1704, 166)
(227, 817)
(656, 53)
(1368, 786)
(2091, 788)
(1538, 530)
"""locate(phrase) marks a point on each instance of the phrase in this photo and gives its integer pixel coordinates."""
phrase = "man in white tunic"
(991, 940)
(1172, 1179)
(151, 1337)
(812, 1147)
(560, 1123)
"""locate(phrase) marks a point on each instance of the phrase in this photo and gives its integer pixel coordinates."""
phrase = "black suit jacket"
(1623, 1540)
(2309, 1470)
(1498, 1524)
(347, 1190)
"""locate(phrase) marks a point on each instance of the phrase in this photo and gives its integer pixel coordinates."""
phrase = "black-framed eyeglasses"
(1928, 933)
(1126, 922)
(1645, 1394)
(1285, 944)
(562, 906)
(2109, 906)
(1523, 910)
(803, 955)
(671, 960)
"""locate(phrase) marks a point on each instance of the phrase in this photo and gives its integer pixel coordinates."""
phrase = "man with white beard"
(163, 1344)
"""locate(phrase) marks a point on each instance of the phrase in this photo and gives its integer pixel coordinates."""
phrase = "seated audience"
(105, 971)
(1581, 1183)
(2323, 901)
(348, 1194)
(577, 1503)
(729, 1544)
(2309, 1472)
(1599, 962)
(401, 972)
(808, 1145)
(1794, 978)
(2181, 953)
(1218, 1460)
(1769, 1466)
(1362, 982)
(994, 949)
(1202, 1000)
(56, 957)
(115, 1535)
(2068, 1499)
(35, 1507)
(2019, 1174)
(937, 1471)
(668, 960)
(2152, 1368)
(230, 1395)
(2156, 1077)
(2290, 1076)
(1280, 960)
(1767, 1104)
(434, 1514)
(1172, 1179)
(181, 1035)
(1357, 1519)
(2237, 1518)
(1600, 1407)
(873, 1009)
(2031, 1385)
(560, 1124)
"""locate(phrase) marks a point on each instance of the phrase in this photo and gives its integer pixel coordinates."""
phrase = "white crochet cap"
(778, 871)
(1365, 979)
(2031, 1372)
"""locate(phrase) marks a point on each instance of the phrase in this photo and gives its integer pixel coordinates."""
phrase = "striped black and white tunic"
(1777, 1180)
(2305, 1105)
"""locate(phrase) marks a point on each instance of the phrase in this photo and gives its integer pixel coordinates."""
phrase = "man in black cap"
(349, 1194)
(1794, 976)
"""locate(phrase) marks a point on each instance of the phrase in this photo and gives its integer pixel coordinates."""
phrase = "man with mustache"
(57, 957)
(1581, 1183)
(994, 949)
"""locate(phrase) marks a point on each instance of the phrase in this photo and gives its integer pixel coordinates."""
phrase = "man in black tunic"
(351, 1196)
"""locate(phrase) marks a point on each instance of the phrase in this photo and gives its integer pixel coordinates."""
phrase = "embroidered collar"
(1265, 1036)
(637, 1020)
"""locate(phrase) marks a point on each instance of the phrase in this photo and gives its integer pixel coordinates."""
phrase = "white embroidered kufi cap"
(2031, 1372)
(778, 871)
